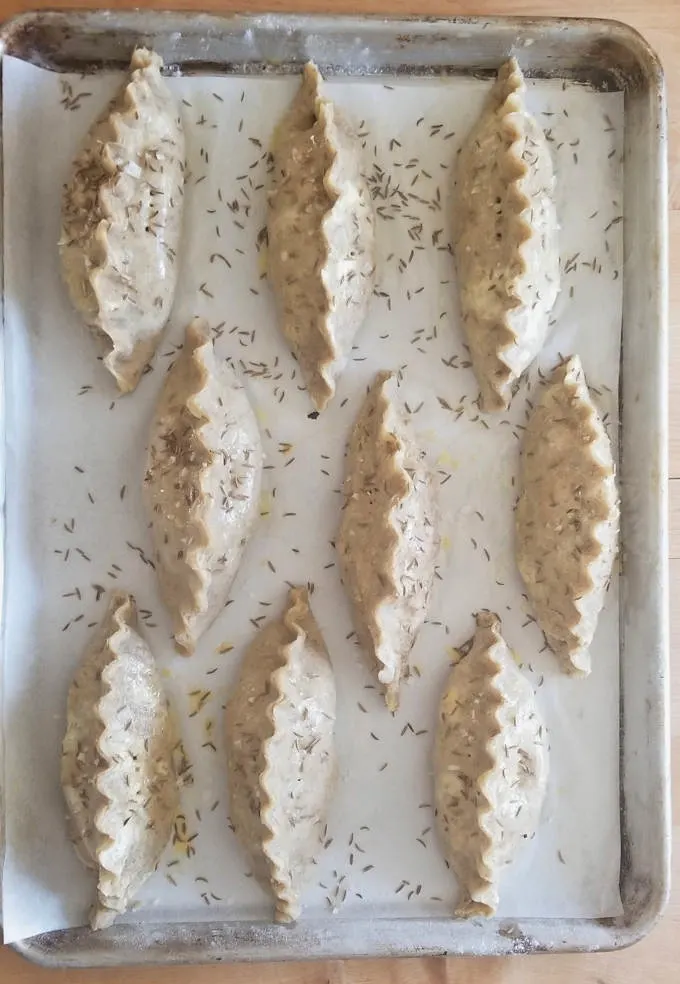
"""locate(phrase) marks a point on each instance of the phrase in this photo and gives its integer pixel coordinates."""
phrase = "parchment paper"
(75, 459)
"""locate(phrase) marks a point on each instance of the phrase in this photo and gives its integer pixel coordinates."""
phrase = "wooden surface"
(656, 960)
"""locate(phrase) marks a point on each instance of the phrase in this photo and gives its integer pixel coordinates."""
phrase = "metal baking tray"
(604, 54)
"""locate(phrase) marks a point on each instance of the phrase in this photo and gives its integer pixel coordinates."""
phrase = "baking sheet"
(381, 856)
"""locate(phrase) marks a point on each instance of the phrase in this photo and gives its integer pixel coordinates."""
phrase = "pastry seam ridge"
(111, 209)
(399, 482)
(343, 198)
(198, 338)
(287, 901)
(483, 895)
(510, 90)
(104, 913)
(324, 112)
(572, 377)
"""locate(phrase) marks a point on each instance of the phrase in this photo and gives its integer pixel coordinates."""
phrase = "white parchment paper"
(75, 525)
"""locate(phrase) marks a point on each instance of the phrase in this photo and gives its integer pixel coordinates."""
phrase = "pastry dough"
(505, 239)
(567, 515)
(117, 768)
(388, 540)
(490, 767)
(281, 759)
(202, 485)
(321, 236)
(121, 220)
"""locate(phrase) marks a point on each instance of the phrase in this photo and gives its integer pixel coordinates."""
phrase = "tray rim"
(242, 941)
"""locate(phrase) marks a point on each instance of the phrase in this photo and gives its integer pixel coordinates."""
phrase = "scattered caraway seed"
(408, 195)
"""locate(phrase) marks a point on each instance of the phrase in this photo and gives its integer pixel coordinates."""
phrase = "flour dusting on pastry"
(388, 540)
(281, 759)
(117, 766)
(321, 236)
(122, 217)
(490, 767)
(202, 484)
(505, 239)
(567, 518)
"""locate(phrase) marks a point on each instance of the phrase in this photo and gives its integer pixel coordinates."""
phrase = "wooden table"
(657, 959)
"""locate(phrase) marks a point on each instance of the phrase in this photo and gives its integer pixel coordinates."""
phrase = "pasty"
(321, 236)
(490, 767)
(121, 220)
(388, 540)
(505, 239)
(202, 484)
(281, 759)
(567, 515)
(117, 768)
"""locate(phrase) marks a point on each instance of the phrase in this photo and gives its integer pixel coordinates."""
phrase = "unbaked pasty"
(567, 515)
(121, 220)
(505, 239)
(202, 484)
(281, 758)
(321, 236)
(388, 540)
(490, 767)
(117, 769)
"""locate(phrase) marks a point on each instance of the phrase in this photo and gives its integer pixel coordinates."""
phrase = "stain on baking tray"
(72, 42)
